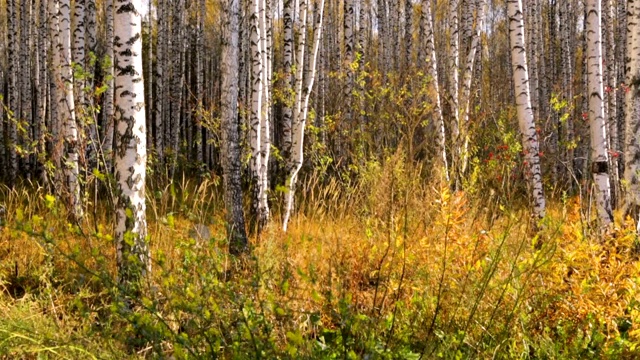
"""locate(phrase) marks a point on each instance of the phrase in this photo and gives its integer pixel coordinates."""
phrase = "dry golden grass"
(448, 270)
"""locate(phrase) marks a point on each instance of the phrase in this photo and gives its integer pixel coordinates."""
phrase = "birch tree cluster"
(262, 91)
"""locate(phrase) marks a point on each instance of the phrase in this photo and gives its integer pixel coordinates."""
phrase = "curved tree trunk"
(432, 67)
(301, 108)
(530, 143)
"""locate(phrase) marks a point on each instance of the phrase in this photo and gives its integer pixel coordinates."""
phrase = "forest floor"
(389, 268)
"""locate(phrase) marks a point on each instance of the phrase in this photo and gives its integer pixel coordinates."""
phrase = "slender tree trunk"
(523, 105)
(465, 96)
(265, 140)
(12, 89)
(133, 258)
(40, 91)
(109, 109)
(597, 124)
(454, 104)
(231, 162)
(301, 109)
(26, 113)
(632, 110)
(432, 68)
(70, 165)
(256, 135)
(160, 78)
(287, 111)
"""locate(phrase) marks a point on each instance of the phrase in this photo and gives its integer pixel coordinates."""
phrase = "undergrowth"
(387, 267)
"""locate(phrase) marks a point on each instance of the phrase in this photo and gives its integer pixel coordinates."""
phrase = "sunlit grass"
(392, 266)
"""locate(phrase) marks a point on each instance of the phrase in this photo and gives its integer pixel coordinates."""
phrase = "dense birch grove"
(263, 92)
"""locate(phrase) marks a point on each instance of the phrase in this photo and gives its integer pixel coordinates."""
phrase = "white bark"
(287, 111)
(432, 68)
(632, 110)
(265, 127)
(255, 132)
(109, 119)
(465, 96)
(67, 115)
(131, 151)
(530, 143)
(302, 106)
(597, 124)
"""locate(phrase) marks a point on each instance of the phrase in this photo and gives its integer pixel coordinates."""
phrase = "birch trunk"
(159, 75)
(432, 68)
(109, 110)
(597, 124)
(255, 136)
(632, 110)
(453, 66)
(12, 89)
(265, 128)
(465, 96)
(301, 109)
(523, 105)
(133, 258)
(67, 115)
(287, 111)
(231, 162)
(25, 115)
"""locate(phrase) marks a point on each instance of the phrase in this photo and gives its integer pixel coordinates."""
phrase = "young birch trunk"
(523, 105)
(265, 128)
(159, 75)
(26, 114)
(79, 55)
(632, 113)
(302, 106)
(432, 68)
(453, 66)
(177, 76)
(12, 89)
(40, 91)
(597, 124)
(133, 258)
(231, 162)
(348, 60)
(611, 99)
(255, 136)
(109, 110)
(200, 80)
(55, 81)
(68, 116)
(467, 78)
(287, 111)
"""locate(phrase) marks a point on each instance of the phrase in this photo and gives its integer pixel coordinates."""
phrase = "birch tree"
(230, 129)
(526, 122)
(632, 110)
(597, 124)
(303, 93)
(133, 258)
(67, 114)
(12, 89)
(432, 68)
(109, 110)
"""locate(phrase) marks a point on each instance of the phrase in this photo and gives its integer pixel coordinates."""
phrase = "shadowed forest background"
(319, 179)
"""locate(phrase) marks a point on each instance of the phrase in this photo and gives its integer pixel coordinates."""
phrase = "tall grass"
(391, 265)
